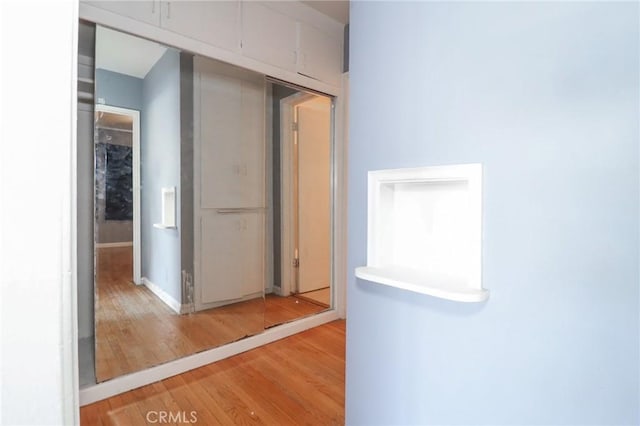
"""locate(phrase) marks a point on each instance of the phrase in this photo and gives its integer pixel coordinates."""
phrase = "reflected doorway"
(306, 197)
(117, 186)
(117, 221)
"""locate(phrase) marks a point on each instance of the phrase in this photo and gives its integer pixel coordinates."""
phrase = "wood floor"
(136, 330)
(298, 380)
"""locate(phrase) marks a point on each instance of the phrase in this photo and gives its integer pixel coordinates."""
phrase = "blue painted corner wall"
(545, 96)
(118, 90)
(160, 167)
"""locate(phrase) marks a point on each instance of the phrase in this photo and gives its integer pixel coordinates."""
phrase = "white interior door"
(314, 194)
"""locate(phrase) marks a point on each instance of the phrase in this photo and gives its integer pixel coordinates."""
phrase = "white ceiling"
(336, 9)
(125, 54)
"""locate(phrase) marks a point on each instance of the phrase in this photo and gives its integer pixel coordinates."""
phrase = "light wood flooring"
(298, 380)
(136, 330)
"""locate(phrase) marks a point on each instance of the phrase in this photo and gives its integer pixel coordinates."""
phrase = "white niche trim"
(425, 231)
(168, 205)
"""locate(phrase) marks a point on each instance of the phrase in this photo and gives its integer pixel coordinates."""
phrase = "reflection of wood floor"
(279, 310)
(294, 381)
(135, 330)
(321, 296)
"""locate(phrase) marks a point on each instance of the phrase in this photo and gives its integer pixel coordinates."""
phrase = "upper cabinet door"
(280, 34)
(268, 36)
(319, 54)
(230, 109)
(143, 11)
(212, 22)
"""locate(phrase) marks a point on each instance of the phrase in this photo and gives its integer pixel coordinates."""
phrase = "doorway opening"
(117, 186)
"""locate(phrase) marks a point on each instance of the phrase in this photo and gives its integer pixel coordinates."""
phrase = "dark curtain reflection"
(118, 181)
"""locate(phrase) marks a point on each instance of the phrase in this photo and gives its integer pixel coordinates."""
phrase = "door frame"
(135, 145)
(288, 191)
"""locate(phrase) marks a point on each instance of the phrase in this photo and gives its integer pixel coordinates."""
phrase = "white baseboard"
(251, 296)
(135, 380)
(117, 244)
(165, 297)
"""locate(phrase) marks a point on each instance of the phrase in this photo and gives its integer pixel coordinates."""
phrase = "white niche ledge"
(425, 231)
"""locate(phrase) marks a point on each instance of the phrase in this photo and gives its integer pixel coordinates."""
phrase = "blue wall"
(160, 167)
(118, 90)
(545, 95)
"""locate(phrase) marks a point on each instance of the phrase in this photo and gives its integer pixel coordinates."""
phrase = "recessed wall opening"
(427, 227)
(424, 231)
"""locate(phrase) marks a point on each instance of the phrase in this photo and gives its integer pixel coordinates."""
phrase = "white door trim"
(135, 115)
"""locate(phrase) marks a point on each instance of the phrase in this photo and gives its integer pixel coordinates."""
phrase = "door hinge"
(296, 263)
(294, 126)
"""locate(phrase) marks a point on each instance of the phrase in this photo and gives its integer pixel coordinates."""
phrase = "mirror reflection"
(212, 203)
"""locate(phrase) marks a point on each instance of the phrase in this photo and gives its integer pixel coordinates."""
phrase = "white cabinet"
(273, 37)
(229, 182)
(287, 35)
(268, 35)
(213, 22)
(143, 11)
(231, 133)
(232, 256)
(319, 54)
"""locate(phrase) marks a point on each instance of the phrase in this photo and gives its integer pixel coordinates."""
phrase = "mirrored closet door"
(212, 203)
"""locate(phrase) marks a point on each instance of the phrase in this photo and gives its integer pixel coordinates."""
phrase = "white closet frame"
(125, 383)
